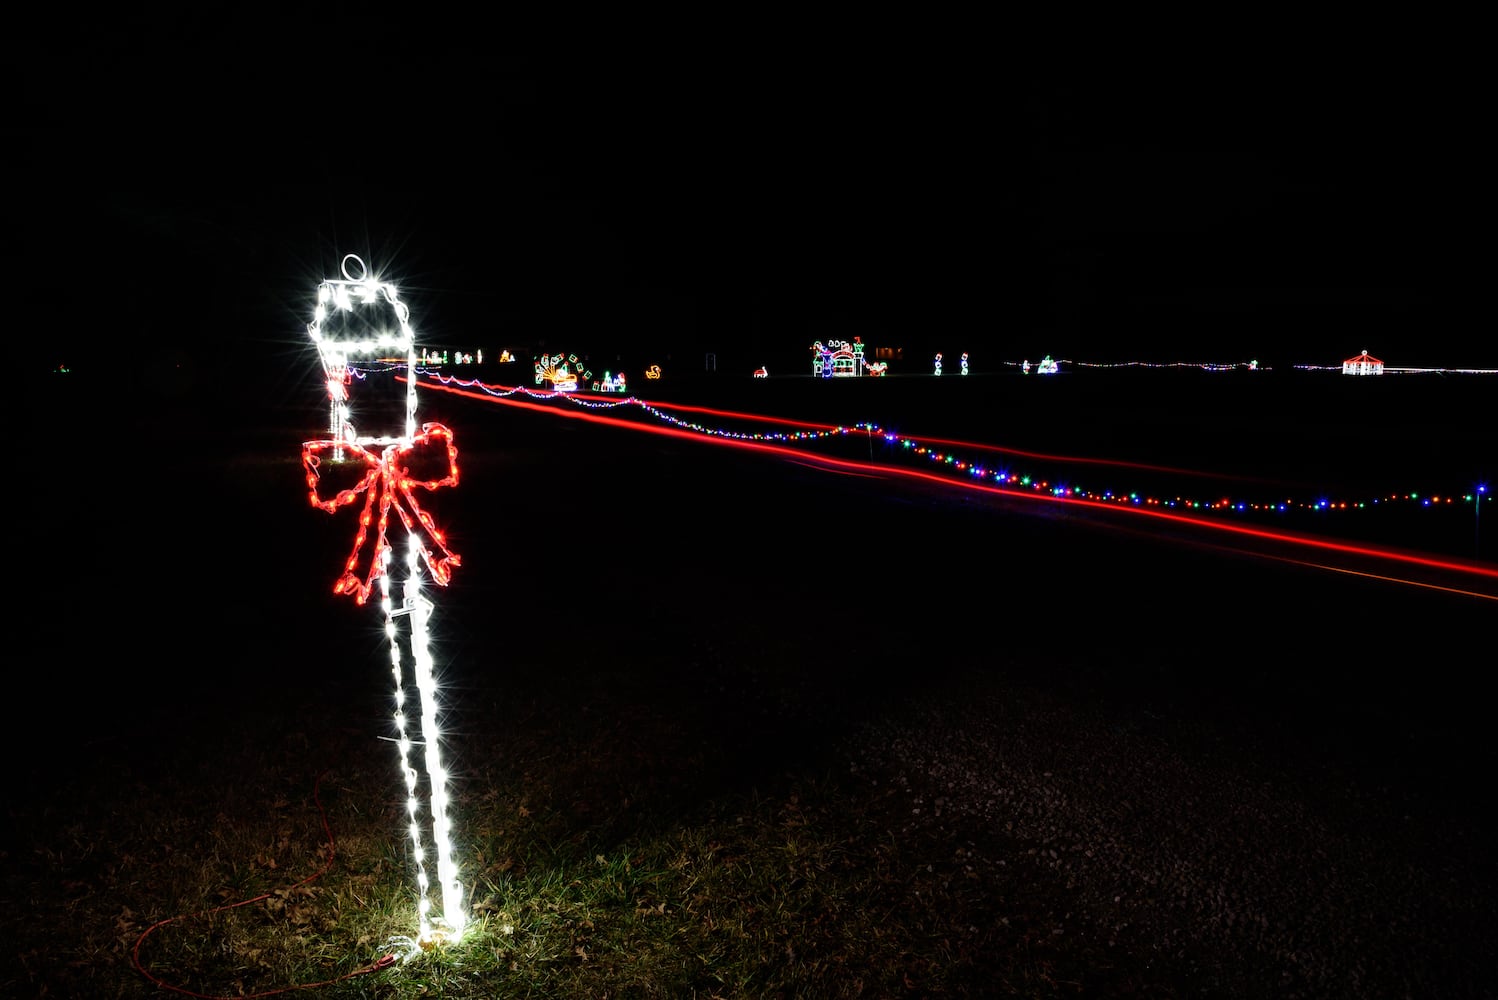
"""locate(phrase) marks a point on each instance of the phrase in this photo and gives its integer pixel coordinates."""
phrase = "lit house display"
(837, 359)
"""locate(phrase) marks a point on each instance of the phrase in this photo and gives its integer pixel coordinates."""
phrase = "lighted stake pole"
(1477, 522)
(386, 475)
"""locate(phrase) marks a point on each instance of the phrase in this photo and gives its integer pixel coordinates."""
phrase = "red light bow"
(391, 468)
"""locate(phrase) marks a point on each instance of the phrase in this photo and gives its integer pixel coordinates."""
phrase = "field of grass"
(722, 732)
(609, 850)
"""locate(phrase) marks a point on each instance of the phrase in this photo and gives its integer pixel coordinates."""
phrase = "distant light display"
(381, 468)
(1363, 364)
(937, 361)
(837, 358)
(948, 458)
(562, 372)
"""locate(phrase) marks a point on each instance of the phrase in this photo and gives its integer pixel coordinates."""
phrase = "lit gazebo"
(1363, 364)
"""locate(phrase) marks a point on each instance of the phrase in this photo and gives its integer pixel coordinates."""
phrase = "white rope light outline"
(356, 289)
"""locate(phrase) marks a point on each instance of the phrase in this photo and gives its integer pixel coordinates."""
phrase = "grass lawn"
(724, 727)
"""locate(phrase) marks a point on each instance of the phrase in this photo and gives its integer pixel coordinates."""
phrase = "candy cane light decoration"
(387, 483)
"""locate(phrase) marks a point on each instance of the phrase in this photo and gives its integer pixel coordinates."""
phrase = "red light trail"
(1466, 569)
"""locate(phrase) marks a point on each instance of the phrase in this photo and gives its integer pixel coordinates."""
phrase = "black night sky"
(746, 190)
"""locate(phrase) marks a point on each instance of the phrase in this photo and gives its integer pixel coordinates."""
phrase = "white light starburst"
(341, 339)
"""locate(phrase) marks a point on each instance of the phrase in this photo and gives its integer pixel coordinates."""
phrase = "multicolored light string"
(383, 467)
(957, 459)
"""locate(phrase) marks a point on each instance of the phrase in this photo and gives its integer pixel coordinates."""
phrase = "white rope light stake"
(383, 464)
